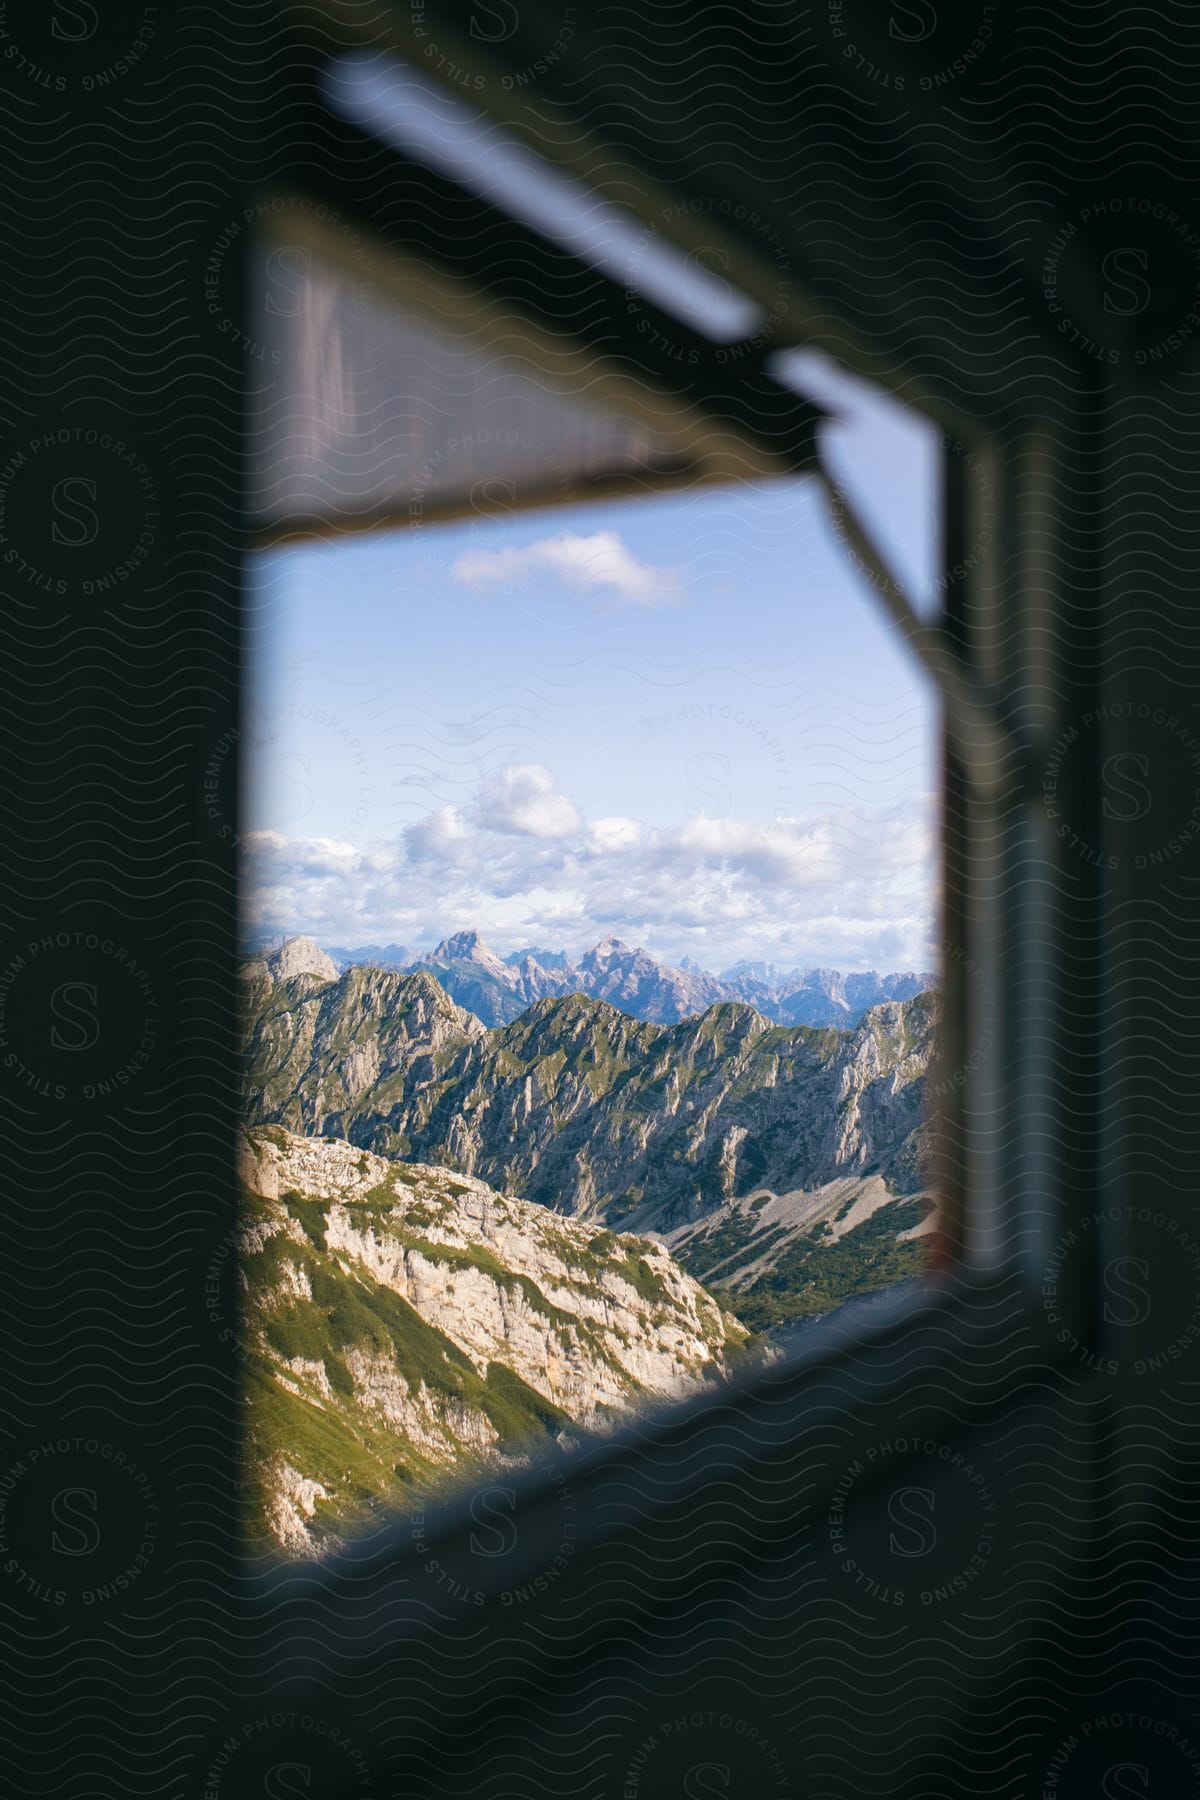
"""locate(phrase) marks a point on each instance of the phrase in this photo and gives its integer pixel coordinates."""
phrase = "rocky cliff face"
(588, 1110)
(402, 1322)
(316, 1049)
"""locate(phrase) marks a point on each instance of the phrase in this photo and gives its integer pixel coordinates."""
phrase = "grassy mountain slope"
(402, 1324)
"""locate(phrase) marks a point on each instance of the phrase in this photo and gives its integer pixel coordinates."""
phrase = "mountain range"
(498, 989)
(708, 1133)
(580, 1106)
(461, 1239)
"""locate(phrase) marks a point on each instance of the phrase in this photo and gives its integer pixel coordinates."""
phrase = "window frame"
(992, 1260)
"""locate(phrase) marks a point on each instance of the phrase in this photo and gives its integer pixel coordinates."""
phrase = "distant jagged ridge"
(498, 989)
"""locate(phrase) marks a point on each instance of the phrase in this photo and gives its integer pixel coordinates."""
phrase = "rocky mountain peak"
(469, 947)
(607, 947)
(540, 957)
(300, 956)
(458, 945)
(421, 986)
(761, 971)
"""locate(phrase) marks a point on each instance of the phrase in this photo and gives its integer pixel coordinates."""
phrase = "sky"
(681, 720)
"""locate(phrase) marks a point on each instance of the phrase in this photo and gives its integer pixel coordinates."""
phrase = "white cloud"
(304, 856)
(600, 561)
(523, 799)
(439, 836)
(615, 833)
(783, 853)
(847, 888)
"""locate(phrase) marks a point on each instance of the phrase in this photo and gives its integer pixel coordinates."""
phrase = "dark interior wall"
(745, 1566)
(126, 152)
(813, 1585)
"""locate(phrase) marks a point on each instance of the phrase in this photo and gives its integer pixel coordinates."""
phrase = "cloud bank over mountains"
(848, 887)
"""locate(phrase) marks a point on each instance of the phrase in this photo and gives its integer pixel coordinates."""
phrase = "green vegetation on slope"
(357, 1459)
(357, 1396)
(357, 1455)
(815, 1276)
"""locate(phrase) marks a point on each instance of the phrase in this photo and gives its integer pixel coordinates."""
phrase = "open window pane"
(387, 390)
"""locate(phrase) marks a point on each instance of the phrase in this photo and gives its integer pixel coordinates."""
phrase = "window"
(590, 888)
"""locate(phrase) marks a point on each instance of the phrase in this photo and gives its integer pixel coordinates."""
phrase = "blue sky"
(683, 720)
